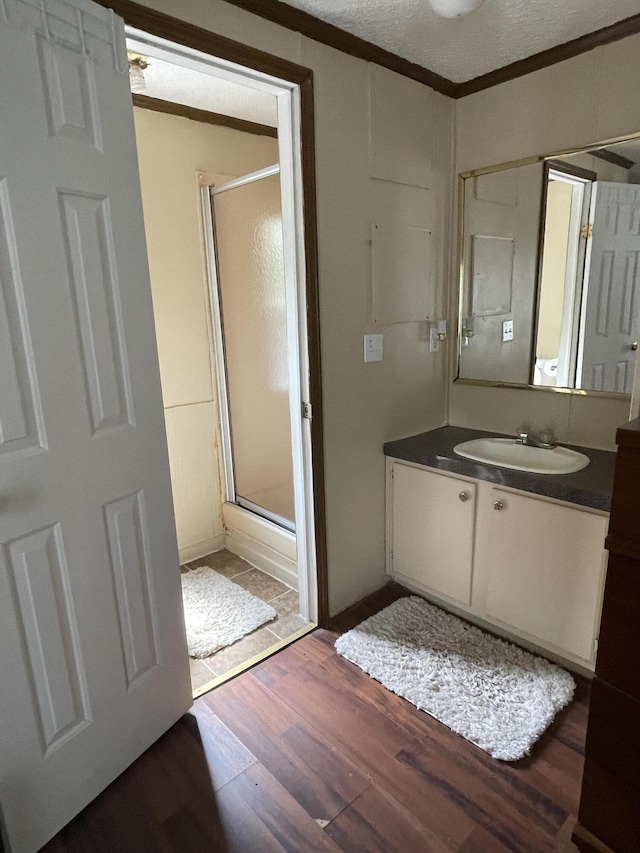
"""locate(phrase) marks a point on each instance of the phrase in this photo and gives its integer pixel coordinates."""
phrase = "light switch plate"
(507, 330)
(373, 347)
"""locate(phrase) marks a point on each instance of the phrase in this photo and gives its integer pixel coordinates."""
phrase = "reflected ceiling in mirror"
(550, 271)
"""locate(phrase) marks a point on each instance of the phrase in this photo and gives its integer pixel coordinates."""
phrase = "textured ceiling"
(183, 86)
(498, 33)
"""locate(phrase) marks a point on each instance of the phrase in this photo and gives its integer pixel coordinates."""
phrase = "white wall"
(411, 150)
(575, 103)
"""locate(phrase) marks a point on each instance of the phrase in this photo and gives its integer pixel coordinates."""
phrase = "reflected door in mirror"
(609, 323)
(502, 221)
(550, 272)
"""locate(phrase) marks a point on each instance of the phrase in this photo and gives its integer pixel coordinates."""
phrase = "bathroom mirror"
(550, 271)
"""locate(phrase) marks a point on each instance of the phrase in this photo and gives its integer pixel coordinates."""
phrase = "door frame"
(218, 47)
(577, 177)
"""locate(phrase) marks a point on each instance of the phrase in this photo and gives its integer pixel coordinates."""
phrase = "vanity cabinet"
(434, 526)
(529, 567)
(545, 566)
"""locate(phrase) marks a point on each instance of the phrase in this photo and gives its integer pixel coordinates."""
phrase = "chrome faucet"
(543, 440)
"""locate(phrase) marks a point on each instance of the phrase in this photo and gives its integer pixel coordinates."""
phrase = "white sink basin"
(507, 453)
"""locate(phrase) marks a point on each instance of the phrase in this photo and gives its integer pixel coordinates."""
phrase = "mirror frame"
(486, 170)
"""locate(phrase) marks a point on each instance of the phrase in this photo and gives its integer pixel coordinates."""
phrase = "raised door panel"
(97, 310)
(433, 531)
(546, 571)
(40, 588)
(21, 427)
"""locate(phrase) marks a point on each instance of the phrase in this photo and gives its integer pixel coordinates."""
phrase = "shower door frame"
(194, 47)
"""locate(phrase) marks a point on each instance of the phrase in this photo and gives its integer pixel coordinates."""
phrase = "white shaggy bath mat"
(491, 692)
(218, 612)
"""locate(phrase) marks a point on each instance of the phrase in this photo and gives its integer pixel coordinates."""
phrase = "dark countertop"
(590, 487)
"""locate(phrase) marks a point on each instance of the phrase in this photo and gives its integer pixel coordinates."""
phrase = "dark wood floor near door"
(306, 753)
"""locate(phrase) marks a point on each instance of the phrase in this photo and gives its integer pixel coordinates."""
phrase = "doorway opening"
(567, 194)
(220, 161)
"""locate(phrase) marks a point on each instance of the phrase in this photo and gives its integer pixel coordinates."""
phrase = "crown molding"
(559, 53)
(302, 22)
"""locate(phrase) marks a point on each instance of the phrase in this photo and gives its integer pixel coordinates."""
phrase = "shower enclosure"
(252, 320)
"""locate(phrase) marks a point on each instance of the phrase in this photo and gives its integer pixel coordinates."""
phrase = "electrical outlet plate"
(373, 347)
(507, 330)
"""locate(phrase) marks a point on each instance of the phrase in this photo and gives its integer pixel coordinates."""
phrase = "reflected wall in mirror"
(550, 272)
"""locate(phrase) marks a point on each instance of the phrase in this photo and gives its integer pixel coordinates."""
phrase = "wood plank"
(378, 823)
(308, 766)
(191, 830)
(313, 648)
(537, 787)
(352, 679)
(135, 814)
(482, 841)
(515, 814)
(226, 756)
(371, 740)
(262, 816)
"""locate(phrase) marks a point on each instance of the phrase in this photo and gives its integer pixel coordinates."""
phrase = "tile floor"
(281, 597)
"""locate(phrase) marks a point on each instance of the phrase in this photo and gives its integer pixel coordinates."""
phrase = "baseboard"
(262, 557)
(201, 549)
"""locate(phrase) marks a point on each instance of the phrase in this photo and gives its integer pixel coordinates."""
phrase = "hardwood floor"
(306, 753)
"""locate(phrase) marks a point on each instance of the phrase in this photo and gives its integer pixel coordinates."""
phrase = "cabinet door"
(546, 570)
(433, 527)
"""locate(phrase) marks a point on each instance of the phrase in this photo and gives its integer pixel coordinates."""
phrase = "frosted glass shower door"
(251, 289)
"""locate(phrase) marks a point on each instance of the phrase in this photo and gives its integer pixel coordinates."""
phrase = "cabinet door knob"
(498, 505)
(634, 346)
(464, 496)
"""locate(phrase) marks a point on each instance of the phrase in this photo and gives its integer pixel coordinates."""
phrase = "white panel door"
(610, 321)
(433, 531)
(93, 663)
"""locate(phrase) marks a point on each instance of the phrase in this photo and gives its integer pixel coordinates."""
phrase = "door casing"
(223, 56)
